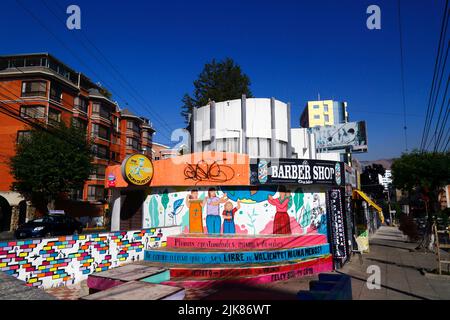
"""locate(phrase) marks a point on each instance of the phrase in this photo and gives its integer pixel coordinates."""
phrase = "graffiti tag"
(213, 172)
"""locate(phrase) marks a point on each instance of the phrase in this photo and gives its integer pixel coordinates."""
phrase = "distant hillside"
(386, 163)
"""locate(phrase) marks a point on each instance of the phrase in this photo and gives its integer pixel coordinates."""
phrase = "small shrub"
(409, 227)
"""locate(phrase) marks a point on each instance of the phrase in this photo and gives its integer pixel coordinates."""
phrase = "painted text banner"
(236, 257)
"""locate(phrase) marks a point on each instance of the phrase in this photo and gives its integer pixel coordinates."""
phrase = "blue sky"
(291, 50)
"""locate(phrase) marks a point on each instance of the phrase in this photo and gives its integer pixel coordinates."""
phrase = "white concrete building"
(259, 127)
(303, 144)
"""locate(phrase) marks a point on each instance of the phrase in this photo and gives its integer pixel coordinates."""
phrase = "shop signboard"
(296, 171)
(337, 225)
(137, 169)
(341, 137)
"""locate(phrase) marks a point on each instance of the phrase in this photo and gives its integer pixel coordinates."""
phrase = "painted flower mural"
(306, 210)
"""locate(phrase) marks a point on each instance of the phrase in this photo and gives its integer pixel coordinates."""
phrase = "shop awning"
(367, 199)
(370, 202)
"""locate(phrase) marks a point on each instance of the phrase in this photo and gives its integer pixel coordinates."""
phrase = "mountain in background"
(386, 163)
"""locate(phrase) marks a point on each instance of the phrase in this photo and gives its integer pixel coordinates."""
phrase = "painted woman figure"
(228, 217)
(195, 206)
(213, 202)
(281, 222)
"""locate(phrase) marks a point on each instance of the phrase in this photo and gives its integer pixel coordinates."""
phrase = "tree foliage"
(218, 81)
(50, 162)
(427, 172)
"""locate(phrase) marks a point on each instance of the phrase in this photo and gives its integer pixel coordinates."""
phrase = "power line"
(437, 134)
(429, 113)
(121, 77)
(441, 130)
(436, 99)
(67, 48)
(402, 76)
(389, 113)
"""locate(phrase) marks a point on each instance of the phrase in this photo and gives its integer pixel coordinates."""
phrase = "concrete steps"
(202, 260)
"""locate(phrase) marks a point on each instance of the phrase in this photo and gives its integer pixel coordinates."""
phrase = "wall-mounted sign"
(341, 137)
(111, 180)
(337, 225)
(296, 171)
(137, 169)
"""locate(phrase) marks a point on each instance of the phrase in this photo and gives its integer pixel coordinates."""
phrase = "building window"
(281, 149)
(81, 104)
(99, 131)
(317, 116)
(54, 116)
(17, 63)
(33, 62)
(23, 135)
(115, 156)
(100, 151)
(258, 147)
(96, 192)
(133, 126)
(146, 137)
(101, 110)
(227, 145)
(316, 106)
(32, 111)
(133, 143)
(326, 118)
(206, 145)
(99, 171)
(325, 108)
(116, 124)
(56, 92)
(79, 123)
(34, 89)
(76, 194)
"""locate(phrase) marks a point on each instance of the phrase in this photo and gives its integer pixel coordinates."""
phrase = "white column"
(115, 215)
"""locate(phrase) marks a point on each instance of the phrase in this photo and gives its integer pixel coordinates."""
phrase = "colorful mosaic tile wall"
(53, 262)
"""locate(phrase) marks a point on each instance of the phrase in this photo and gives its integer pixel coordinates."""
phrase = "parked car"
(48, 226)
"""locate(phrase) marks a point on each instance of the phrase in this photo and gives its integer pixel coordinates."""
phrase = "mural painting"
(195, 206)
(54, 262)
(257, 210)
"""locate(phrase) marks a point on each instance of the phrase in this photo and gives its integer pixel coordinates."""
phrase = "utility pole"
(389, 205)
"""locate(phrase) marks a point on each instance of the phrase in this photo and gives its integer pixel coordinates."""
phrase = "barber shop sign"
(297, 171)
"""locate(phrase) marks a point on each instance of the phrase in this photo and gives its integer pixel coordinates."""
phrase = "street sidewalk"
(402, 270)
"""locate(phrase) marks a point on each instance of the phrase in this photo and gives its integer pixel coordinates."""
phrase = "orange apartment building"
(39, 87)
(161, 151)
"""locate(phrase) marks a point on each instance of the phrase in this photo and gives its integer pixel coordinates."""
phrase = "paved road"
(402, 270)
(14, 289)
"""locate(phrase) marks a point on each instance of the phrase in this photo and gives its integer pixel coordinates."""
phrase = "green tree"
(165, 202)
(426, 173)
(219, 81)
(50, 162)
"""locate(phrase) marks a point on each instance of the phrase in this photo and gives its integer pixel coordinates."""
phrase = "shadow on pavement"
(248, 292)
(387, 287)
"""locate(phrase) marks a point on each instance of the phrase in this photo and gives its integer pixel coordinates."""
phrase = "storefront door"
(131, 210)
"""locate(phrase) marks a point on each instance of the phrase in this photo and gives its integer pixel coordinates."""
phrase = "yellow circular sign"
(137, 169)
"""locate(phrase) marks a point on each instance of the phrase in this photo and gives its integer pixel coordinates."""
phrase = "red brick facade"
(38, 87)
